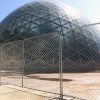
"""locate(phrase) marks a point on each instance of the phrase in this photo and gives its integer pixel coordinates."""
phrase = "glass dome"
(35, 18)
(80, 44)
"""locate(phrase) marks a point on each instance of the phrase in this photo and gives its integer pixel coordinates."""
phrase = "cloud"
(69, 10)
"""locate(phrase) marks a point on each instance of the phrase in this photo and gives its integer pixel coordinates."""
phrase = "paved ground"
(10, 92)
(82, 85)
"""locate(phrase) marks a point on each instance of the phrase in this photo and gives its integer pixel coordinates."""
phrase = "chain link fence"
(12, 63)
(44, 62)
(32, 63)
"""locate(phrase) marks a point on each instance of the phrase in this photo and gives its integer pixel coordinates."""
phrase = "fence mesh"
(12, 59)
(36, 63)
(32, 63)
(41, 63)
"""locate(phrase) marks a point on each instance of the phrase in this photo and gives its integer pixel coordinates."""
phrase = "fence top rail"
(37, 36)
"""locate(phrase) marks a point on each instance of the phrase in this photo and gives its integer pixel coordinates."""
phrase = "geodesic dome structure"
(80, 44)
(35, 18)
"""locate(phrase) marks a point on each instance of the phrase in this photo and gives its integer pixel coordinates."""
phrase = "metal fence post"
(23, 65)
(0, 64)
(60, 67)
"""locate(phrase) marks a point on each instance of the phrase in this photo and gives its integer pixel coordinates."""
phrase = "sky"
(89, 9)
